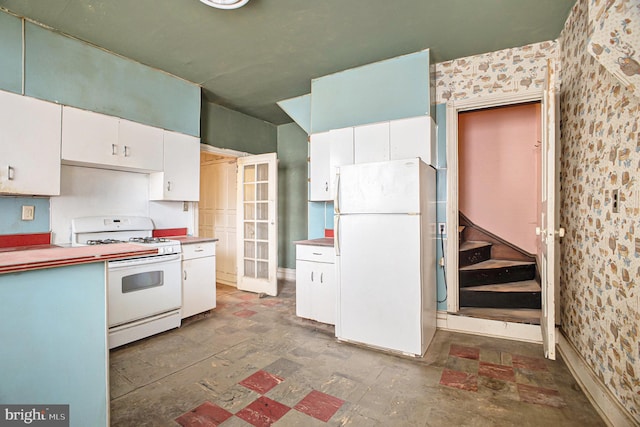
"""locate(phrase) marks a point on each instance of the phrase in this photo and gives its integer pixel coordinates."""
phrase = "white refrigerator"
(385, 231)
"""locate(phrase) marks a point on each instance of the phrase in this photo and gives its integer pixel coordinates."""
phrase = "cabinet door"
(371, 143)
(304, 282)
(340, 153)
(140, 146)
(198, 285)
(319, 184)
(323, 297)
(89, 138)
(29, 145)
(411, 138)
(181, 177)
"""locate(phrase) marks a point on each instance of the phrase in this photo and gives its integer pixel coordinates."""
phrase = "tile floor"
(252, 362)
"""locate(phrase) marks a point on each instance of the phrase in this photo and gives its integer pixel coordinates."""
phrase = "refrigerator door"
(379, 288)
(380, 187)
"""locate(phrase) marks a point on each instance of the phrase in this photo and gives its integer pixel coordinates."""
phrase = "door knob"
(560, 232)
(538, 231)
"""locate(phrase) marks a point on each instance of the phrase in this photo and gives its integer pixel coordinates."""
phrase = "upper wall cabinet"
(98, 140)
(319, 173)
(29, 146)
(180, 179)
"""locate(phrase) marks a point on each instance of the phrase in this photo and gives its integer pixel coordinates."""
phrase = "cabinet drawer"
(316, 253)
(198, 250)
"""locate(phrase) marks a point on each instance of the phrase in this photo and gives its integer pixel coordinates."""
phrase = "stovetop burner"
(93, 242)
(148, 240)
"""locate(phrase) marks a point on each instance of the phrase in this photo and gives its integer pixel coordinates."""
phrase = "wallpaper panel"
(601, 251)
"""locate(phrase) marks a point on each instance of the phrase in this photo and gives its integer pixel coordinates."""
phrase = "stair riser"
(496, 275)
(474, 256)
(500, 299)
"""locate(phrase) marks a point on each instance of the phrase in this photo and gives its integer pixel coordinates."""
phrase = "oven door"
(143, 287)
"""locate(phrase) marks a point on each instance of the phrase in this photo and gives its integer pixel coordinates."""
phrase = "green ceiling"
(269, 50)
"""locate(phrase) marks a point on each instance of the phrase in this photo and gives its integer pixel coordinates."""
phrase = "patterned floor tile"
(205, 415)
(461, 380)
(248, 296)
(319, 405)
(464, 352)
(244, 313)
(498, 372)
(540, 396)
(531, 363)
(263, 412)
(261, 382)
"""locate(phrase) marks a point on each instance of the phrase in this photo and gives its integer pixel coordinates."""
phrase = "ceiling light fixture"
(225, 4)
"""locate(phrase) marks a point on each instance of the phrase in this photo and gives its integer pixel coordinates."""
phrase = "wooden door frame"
(453, 109)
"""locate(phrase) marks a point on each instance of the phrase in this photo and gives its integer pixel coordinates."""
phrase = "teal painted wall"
(10, 53)
(53, 327)
(11, 214)
(292, 191)
(441, 196)
(225, 128)
(299, 109)
(71, 72)
(392, 89)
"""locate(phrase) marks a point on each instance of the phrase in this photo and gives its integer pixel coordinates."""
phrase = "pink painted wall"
(499, 171)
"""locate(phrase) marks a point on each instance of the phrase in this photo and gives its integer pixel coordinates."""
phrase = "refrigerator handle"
(336, 242)
(336, 196)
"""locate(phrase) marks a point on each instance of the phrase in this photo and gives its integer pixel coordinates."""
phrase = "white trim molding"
(611, 411)
(489, 328)
(286, 273)
(222, 151)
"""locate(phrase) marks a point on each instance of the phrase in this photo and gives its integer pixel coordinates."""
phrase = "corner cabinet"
(316, 283)
(180, 179)
(198, 278)
(319, 169)
(29, 145)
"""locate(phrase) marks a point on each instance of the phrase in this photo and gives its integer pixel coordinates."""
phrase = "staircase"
(496, 279)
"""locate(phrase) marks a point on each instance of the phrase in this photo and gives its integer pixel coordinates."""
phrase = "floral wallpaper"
(614, 26)
(600, 263)
(504, 71)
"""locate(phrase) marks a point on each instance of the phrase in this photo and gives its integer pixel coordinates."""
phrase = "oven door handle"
(134, 262)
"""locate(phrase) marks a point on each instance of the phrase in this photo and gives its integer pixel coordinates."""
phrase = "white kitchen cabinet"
(371, 143)
(411, 138)
(99, 140)
(180, 178)
(29, 145)
(141, 146)
(341, 153)
(316, 283)
(198, 278)
(319, 172)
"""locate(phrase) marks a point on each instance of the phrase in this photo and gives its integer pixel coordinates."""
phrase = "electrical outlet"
(442, 229)
(28, 213)
(185, 206)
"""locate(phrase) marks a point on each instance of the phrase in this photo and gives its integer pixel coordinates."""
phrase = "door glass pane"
(263, 191)
(263, 270)
(263, 172)
(249, 230)
(249, 211)
(249, 173)
(262, 211)
(262, 231)
(249, 249)
(263, 251)
(249, 192)
(249, 268)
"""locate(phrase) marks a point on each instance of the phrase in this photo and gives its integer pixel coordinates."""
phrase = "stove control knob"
(160, 250)
(169, 249)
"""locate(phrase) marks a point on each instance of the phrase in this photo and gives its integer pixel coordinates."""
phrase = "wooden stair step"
(473, 244)
(497, 263)
(525, 294)
(473, 252)
(522, 315)
(494, 271)
(522, 286)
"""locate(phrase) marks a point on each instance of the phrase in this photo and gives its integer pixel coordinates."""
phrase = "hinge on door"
(308, 179)
(308, 159)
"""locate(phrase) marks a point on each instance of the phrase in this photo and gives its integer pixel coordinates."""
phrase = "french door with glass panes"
(257, 223)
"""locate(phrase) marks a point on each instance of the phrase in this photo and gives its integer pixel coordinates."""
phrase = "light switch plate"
(28, 213)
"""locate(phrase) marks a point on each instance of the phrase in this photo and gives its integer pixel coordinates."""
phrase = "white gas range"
(144, 294)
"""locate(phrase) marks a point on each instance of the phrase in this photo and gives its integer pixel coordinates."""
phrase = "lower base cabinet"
(316, 283)
(198, 278)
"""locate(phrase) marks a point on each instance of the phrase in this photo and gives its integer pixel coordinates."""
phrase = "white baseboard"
(490, 328)
(611, 411)
(286, 273)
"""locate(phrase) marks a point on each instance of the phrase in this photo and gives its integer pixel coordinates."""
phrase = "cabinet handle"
(312, 276)
(168, 185)
(199, 250)
(10, 173)
(126, 151)
(321, 274)
(114, 149)
(326, 186)
(185, 275)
